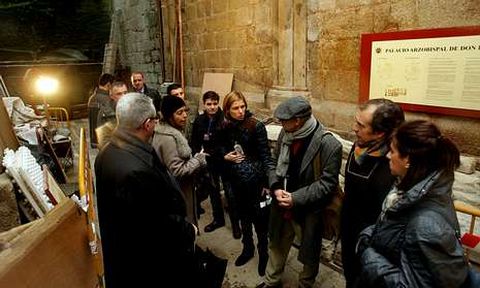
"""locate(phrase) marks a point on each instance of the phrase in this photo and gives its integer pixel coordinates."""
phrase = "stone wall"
(139, 35)
(232, 36)
(306, 47)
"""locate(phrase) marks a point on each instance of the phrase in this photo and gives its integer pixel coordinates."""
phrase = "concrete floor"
(222, 244)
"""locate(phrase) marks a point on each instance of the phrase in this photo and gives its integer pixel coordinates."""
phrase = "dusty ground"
(222, 244)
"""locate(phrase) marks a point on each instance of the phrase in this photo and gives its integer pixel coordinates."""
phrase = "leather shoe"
(236, 232)
(200, 211)
(213, 226)
(262, 263)
(246, 255)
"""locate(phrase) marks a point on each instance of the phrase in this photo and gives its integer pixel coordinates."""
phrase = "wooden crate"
(50, 252)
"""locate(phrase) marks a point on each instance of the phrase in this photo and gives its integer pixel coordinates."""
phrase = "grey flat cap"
(295, 107)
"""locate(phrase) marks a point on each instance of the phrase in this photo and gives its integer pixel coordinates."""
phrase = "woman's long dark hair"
(427, 149)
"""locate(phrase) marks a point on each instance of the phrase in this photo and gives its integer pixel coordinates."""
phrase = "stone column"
(291, 56)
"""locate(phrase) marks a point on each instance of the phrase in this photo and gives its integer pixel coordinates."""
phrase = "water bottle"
(238, 148)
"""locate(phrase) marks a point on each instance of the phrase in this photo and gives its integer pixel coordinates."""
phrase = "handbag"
(210, 269)
(247, 171)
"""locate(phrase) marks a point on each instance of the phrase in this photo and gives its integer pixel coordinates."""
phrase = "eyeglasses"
(154, 118)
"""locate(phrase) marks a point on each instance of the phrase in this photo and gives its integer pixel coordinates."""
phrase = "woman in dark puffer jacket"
(415, 240)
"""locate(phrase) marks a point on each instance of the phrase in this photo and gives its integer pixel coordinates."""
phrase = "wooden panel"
(53, 191)
(3, 88)
(51, 252)
(86, 189)
(8, 139)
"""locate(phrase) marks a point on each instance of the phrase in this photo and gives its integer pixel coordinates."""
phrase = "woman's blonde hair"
(229, 99)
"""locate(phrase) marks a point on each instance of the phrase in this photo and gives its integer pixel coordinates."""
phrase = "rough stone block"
(209, 41)
(201, 9)
(346, 54)
(319, 5)
(438, 14)
(221, 40)
(9, 216)
(467, 165)
(347, 23)
(342, 85)
(235, 4)
(190, 12)
(224, 58)
(263, 16)
(316, 81)
(244, 16)
(219, 6)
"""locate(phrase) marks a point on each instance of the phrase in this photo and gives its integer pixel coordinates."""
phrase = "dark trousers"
(251, 216)
(216, 197)
(231, 202)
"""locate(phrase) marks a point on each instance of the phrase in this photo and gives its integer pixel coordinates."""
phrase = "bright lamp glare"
(46, 85)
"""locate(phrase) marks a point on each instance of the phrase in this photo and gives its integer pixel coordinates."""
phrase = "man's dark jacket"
(98, 96)
(145, 236)
(366, 186)
(203, 126)
(154, 95)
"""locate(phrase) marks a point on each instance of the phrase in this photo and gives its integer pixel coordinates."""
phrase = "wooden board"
(3, 88)
(53, 191)
(52, 252)
(28, 190)
(218, 82)
(8, 139)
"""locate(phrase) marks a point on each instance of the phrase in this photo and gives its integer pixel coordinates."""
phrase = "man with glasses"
(367, 176)
(141, 210)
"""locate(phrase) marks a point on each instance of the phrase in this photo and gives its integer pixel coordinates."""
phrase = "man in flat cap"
(308, 163)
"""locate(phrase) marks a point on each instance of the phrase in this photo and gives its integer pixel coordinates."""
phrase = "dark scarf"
(376, 148)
